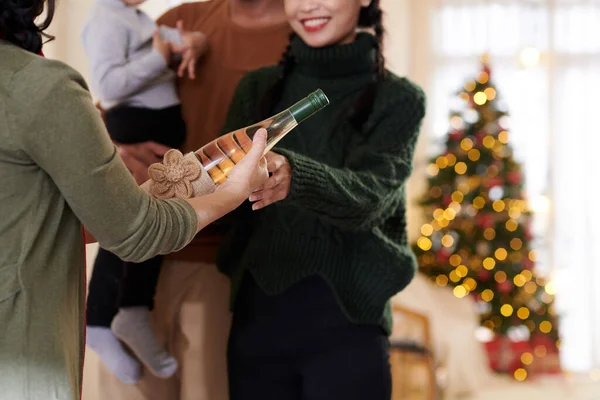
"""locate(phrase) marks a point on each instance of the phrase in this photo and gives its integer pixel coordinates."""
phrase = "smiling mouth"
(314, 24)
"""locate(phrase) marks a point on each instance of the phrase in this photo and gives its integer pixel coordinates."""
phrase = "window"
(545, 58)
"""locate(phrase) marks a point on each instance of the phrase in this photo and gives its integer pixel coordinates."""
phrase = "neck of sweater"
(337, 61)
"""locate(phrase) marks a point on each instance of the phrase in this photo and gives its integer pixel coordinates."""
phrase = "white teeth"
(315, 22)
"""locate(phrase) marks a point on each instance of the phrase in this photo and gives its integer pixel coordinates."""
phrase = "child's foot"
(104, 342)
(133, 326)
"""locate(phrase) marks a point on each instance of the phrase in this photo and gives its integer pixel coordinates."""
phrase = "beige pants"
(192, 318)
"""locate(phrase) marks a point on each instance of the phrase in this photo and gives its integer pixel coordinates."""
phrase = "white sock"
(112, 353)
(134, 327)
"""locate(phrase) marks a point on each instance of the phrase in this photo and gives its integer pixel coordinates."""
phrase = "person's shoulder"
(38, 79)
(397, 91)
(190, 12)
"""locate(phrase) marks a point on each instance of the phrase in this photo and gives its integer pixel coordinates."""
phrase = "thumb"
(259, 143)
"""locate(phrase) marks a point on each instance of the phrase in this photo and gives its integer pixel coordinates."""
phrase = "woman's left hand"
(277, 186)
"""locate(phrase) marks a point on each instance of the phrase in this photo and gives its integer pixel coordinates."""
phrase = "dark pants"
(115, 283)
(299, 345)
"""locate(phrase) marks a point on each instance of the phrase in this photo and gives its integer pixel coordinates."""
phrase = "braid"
(273, 95)
(17, 22)
(370, 17)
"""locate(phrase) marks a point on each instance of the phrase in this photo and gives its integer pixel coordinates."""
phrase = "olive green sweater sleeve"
(66, 138)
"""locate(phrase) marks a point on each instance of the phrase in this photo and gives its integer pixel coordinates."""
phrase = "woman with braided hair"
(313, 274)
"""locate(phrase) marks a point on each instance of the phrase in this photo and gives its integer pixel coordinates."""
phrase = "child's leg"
(101, 308)
(133, 323)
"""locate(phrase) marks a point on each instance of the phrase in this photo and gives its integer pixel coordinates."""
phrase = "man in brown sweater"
(191, 313)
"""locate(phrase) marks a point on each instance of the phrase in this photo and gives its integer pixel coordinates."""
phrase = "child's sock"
(112, 353)
(133, 326)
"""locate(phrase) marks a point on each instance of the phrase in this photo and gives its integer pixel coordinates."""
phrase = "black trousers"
(115, 283)
(299, 345)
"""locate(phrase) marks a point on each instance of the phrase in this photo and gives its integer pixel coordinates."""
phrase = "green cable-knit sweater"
(345, 216)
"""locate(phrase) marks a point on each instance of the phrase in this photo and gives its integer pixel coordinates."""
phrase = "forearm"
(214, 206)
(347, 198)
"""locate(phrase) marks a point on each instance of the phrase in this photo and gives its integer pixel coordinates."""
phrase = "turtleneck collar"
(335, 61)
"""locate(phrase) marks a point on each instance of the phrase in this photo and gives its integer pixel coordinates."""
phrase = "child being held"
(130, 58)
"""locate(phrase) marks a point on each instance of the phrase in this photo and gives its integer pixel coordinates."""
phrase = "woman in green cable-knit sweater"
(313, 274)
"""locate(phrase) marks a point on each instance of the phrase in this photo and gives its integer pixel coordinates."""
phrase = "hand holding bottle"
(250, 173)
(277, 187)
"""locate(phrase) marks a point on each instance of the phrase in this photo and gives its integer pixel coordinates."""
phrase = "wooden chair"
(411, 359)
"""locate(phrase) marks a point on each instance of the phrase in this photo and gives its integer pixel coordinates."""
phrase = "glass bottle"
(220, 156)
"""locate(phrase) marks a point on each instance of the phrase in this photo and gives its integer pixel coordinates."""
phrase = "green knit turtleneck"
(344, 218)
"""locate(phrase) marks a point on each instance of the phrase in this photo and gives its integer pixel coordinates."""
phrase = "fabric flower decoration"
(173, 177)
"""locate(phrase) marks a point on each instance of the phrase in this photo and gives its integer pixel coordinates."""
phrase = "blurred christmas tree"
(478, 238)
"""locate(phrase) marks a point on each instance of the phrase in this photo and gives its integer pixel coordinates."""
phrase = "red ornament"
(514, 177)
(494, 181)
(456, 135)
(447, 200)
(479, 138)
(484, 275)
(527, 263)
(484, 221)
(443, 255)
(505, 287)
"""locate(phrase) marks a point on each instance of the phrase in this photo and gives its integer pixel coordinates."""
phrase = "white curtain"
(545, 57)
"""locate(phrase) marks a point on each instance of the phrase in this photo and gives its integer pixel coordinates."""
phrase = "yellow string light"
(441, 162)
(519, 280)
(424, 243)
(460, 291)
(527, 358)
(447, 241)
(489, 141)
(456, 122)
(474, 155)
(489, 234)
(540, 351)
(483, 77)
(479, 202)
(501, 254)
(503, 137)
(506, 310)
(433, 170)
(487, 295)
(454, 276)
(500, 276)
(523, 313)
(460, 168)
(530, 287)
(438, 214)
(470, 86)
(451, 159)
(462, 271)
(441, 280)
(498, 206)
(427, 230)
(516, 244)
(466, 144)
(480, 98)
(455, 260)
(458, 197)
(435, 191)
(470, 283)
(511, 225)
(520, 374)
(550, 288)
(489, 263)
(490, 93)
(546, 327)
(450, 214)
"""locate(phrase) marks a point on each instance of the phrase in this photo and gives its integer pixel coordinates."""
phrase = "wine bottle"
(220, 156)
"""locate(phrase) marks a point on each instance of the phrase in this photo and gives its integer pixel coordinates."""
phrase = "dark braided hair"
(17, 22)
(369, 17)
